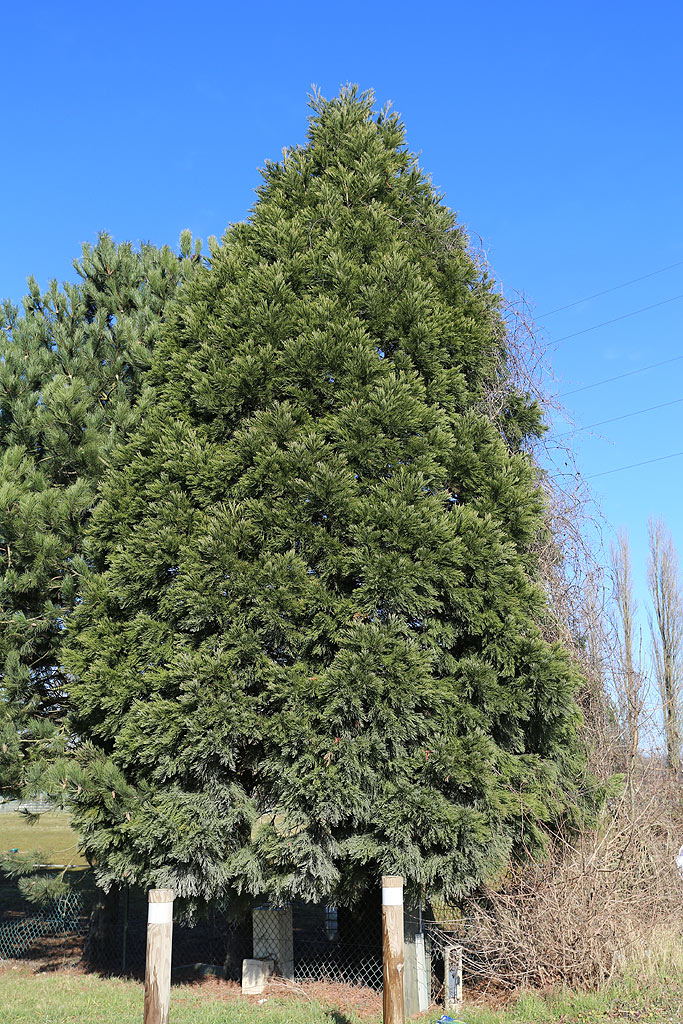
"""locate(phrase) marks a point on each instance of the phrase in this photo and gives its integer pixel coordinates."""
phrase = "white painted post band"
(159, 913)
(393, 950)
(158, 962)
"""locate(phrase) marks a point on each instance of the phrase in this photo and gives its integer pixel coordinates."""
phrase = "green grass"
(608, 1007)
(69, 997)
(51, 834)
(650, 991)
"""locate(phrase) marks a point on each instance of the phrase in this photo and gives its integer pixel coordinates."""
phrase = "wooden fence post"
(392, 949)
(158, 964)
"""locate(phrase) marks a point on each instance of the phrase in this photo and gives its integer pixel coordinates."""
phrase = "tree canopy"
(71, 371)
(309, 650)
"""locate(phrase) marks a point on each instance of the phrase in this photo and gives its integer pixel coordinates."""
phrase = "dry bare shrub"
(580, 915)
(569, 549)
(577, 917)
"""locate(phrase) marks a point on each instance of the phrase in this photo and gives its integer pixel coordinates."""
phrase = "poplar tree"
(311, 650)
(72, 364)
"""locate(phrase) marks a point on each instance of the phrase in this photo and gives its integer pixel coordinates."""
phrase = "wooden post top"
(392, 881)
(161, 896)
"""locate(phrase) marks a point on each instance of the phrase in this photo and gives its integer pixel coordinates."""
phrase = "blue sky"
(553, 129)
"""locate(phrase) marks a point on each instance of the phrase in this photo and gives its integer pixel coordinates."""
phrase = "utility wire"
(617, 318)
(614, 288)
(624, 416)
(620, 376)
(635, 465)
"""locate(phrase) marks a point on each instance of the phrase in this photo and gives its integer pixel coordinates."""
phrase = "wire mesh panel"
(337, 944)
(109, 932)
(305, 942)
(56, 930)
(450, 944)
(213, 943)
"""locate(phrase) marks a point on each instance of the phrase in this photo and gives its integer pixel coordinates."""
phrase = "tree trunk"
(103, 948)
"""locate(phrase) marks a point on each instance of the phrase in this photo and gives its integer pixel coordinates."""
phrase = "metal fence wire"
(306, 942)
(57, 931)
(337, 944)
(459, 935)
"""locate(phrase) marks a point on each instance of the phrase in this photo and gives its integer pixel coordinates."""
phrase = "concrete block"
(255, 974)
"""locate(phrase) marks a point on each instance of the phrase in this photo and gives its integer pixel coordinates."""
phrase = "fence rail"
(37, 806)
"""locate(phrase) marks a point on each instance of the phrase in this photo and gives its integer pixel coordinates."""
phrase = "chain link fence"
(459, 958)
(307, 942)
(338, 944)
(57, 931)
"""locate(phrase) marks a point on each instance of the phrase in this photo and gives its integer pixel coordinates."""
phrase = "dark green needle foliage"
(71, 368)
(311, 653)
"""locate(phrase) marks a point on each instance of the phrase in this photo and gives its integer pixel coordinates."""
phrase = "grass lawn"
(51, 834)
(614, 1006)
(70, 997)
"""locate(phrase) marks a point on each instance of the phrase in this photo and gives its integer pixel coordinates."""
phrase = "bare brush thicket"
(596, 901)
(568, 567)
(602, 894)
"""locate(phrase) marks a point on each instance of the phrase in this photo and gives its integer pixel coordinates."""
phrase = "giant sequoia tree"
(311, 650)
(71, 371)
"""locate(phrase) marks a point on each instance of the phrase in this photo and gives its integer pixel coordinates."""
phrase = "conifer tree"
(311, 650)
(71, 369)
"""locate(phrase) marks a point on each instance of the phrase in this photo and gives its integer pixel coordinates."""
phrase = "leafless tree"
(666, 626)
(628, 679)
(569, 547)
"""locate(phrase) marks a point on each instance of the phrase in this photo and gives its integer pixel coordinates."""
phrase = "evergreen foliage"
(311, 651)
(71, 367)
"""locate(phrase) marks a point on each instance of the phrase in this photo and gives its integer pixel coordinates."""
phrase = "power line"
(635, 465)
(620, 376)
(617, 318)
(614, 288)
(624, 416)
